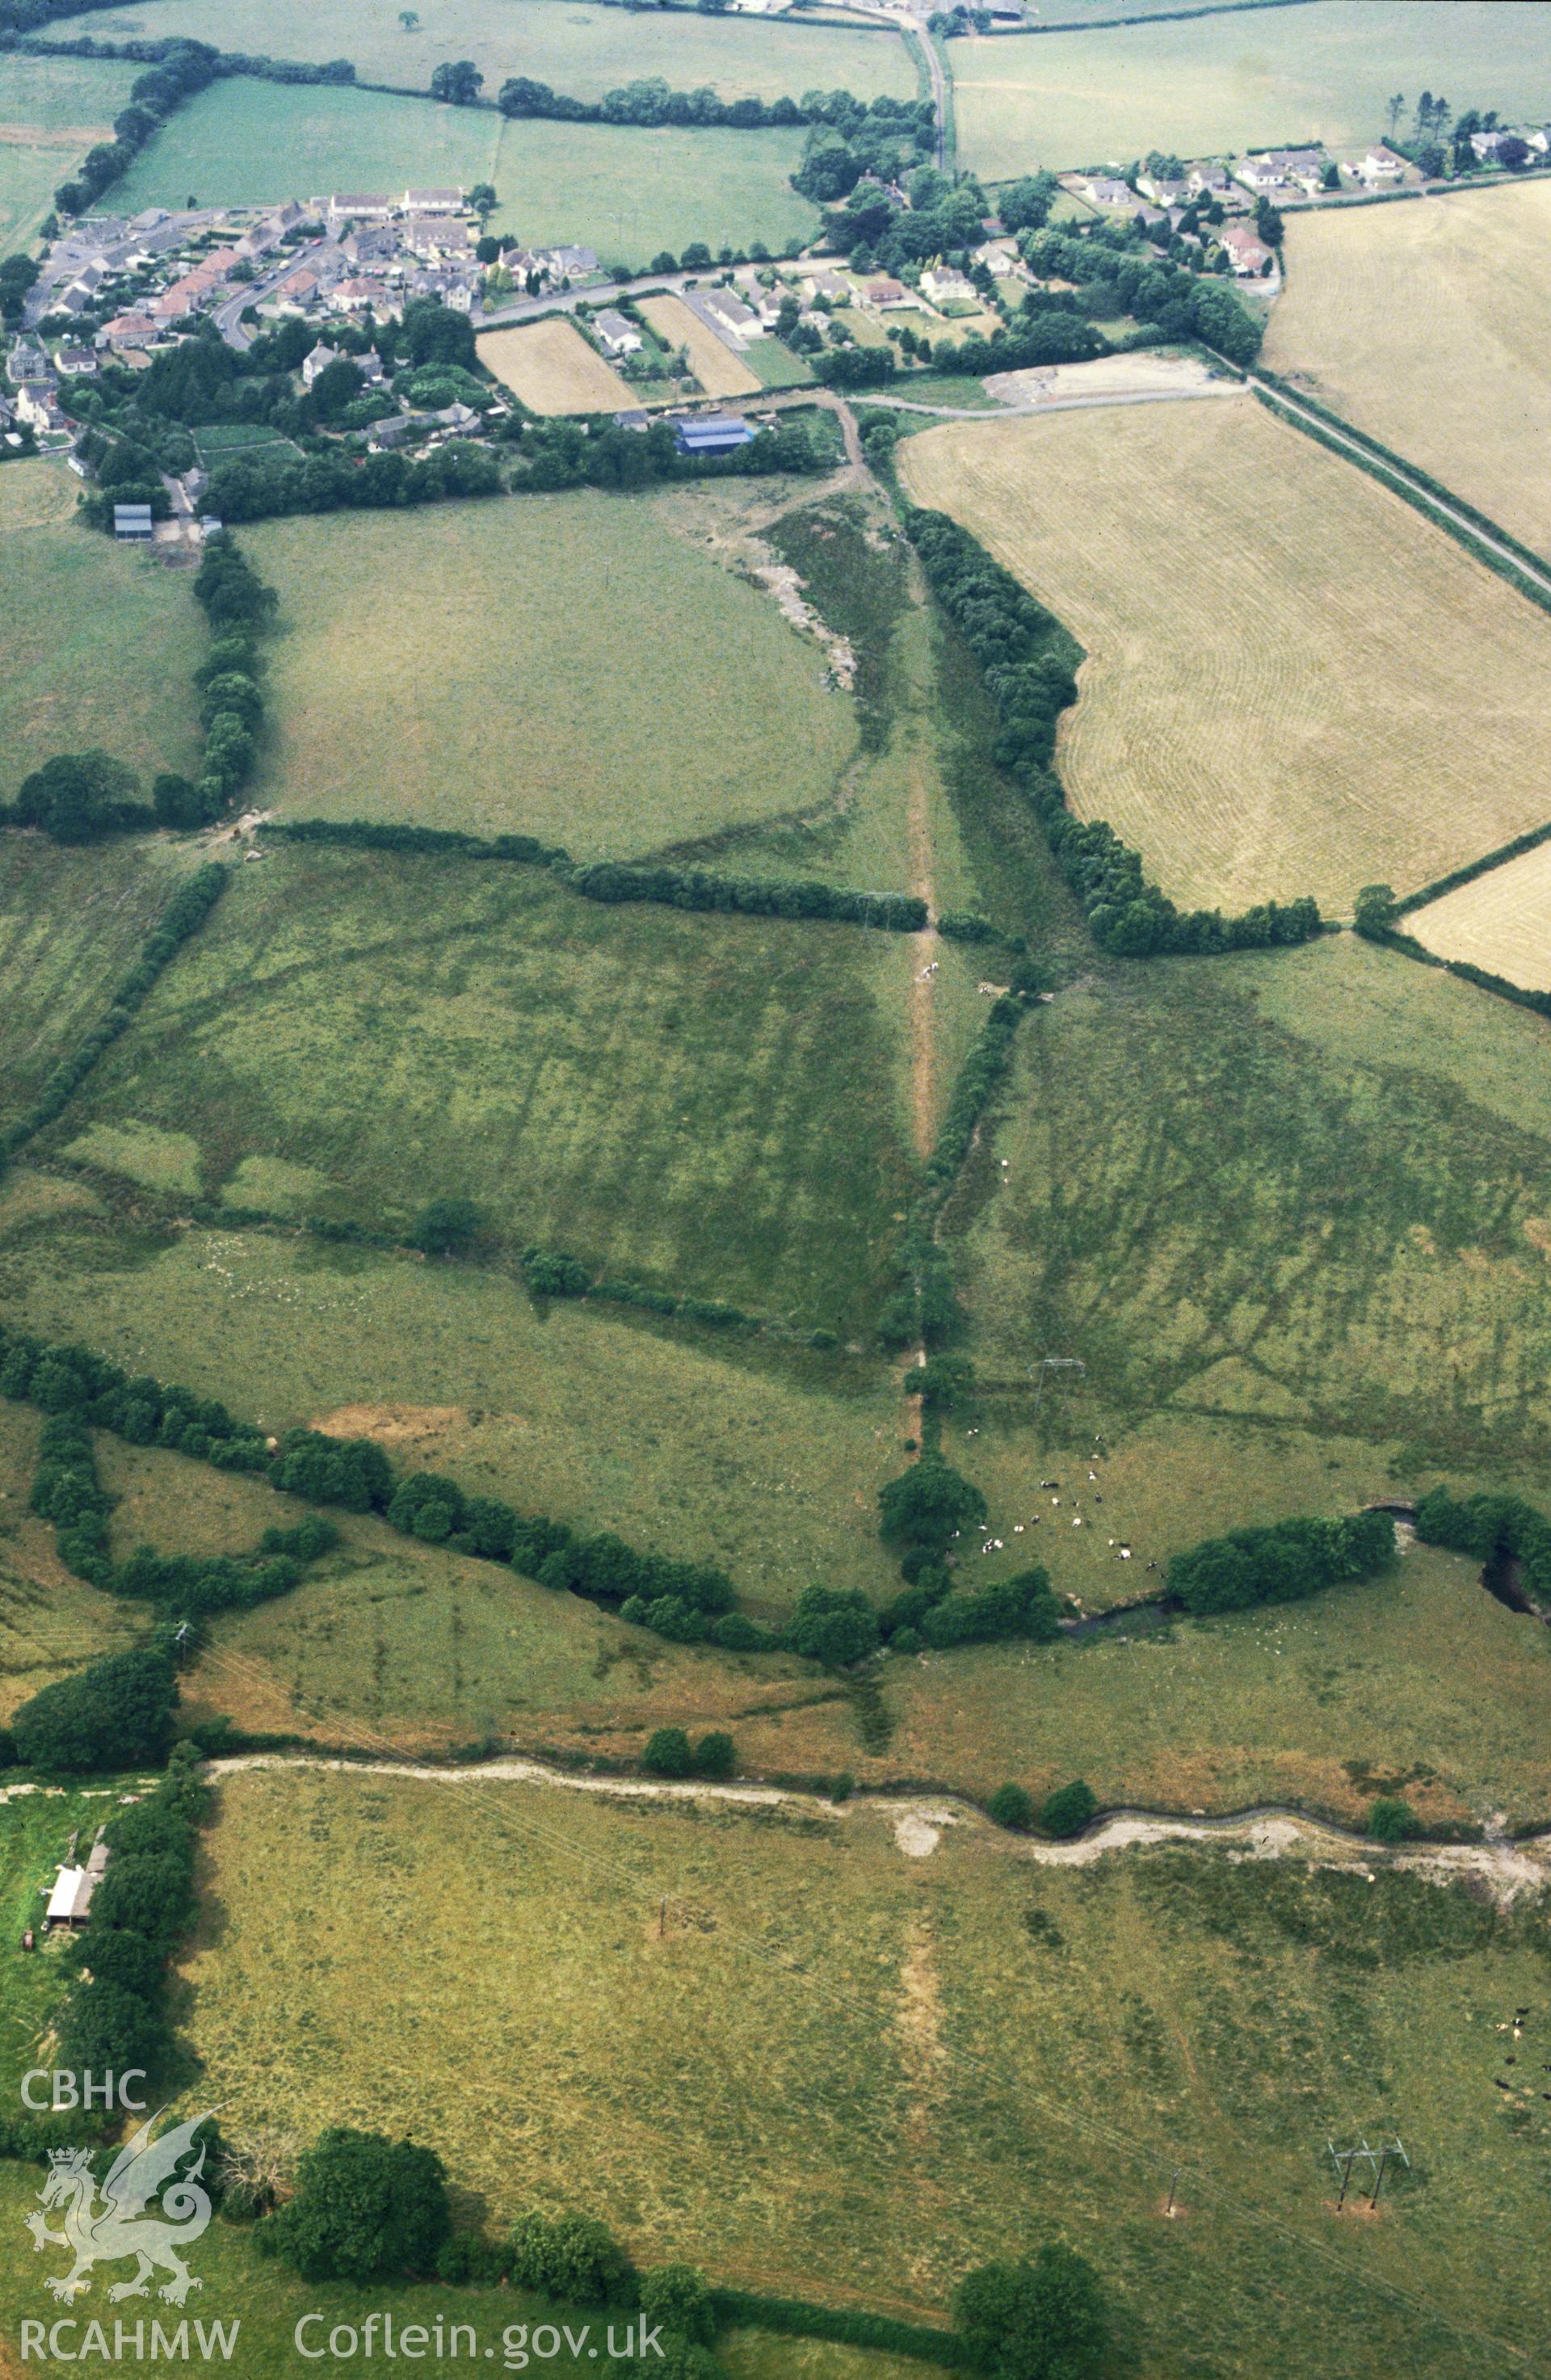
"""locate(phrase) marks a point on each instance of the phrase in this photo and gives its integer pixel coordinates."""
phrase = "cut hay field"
(846, 2074)
(490, 693)
(1207, 83)
(717, 370)
(630, 193)
(1306, 1193)
(584, 51)
(1253, 716)
(552, 369)
(52, 111)
(101, 643)
(711, 1104)
(703, 1449)
(1502, 921)
(1428, 326)
(71, 927)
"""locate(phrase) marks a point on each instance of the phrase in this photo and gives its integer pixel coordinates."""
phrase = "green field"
(630, 193)
(832, 2068)
(583, 51)
(35, 1831)
(264, 2301)
(101, 643)
(493, 692)
(1317, 72)
(1310, 1188)
(71, 927)
(622, 191)
(715, 1104)
(52, 111)
(707, 1451)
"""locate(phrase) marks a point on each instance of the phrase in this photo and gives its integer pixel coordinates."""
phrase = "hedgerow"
(183, 916)
(1027, 659)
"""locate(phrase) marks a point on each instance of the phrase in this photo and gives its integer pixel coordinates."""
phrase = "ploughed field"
(1280, 653)
(1427, 325)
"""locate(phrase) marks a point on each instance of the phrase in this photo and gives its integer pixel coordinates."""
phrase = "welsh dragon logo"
(121, 2225)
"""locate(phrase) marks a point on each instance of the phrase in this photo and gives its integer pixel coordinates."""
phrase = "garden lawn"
(772, 2044)
(583, 51)
(709, 1103)
(100, 642)
(562, 666)
(1206, 83)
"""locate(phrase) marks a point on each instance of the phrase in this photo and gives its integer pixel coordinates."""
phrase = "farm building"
(132, 524)
(70, 1902)
(714, 434)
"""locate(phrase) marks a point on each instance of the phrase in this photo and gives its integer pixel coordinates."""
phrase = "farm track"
(1265, 1831)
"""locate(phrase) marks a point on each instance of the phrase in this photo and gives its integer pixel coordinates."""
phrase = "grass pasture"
(697, 1449)
(584, 51)
(761, 2082)
(52, 111)
(1501, 921)
(714, 1104)
(717, 370)
(630, 192)
(1427, 326)
(1252, 714)
(100, 642)
(1274, 1191)
(552, 369)
(626, 193)
(243, 142)
(489, 694)
(1318, 72)
(71, 927)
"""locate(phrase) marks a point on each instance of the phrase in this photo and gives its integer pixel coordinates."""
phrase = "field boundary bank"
(1484, 865)
(1129, 24)
(182, 917)
(1271, 1828)
(1532, 583)
(1424, 478)
(1484, 979)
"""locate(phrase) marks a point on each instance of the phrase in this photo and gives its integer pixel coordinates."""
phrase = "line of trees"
(649, 101)
(614, 882)
(186, 68)
(1028, 662)
(90, 1392)
(1490, 1528)
(1280, 1563)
